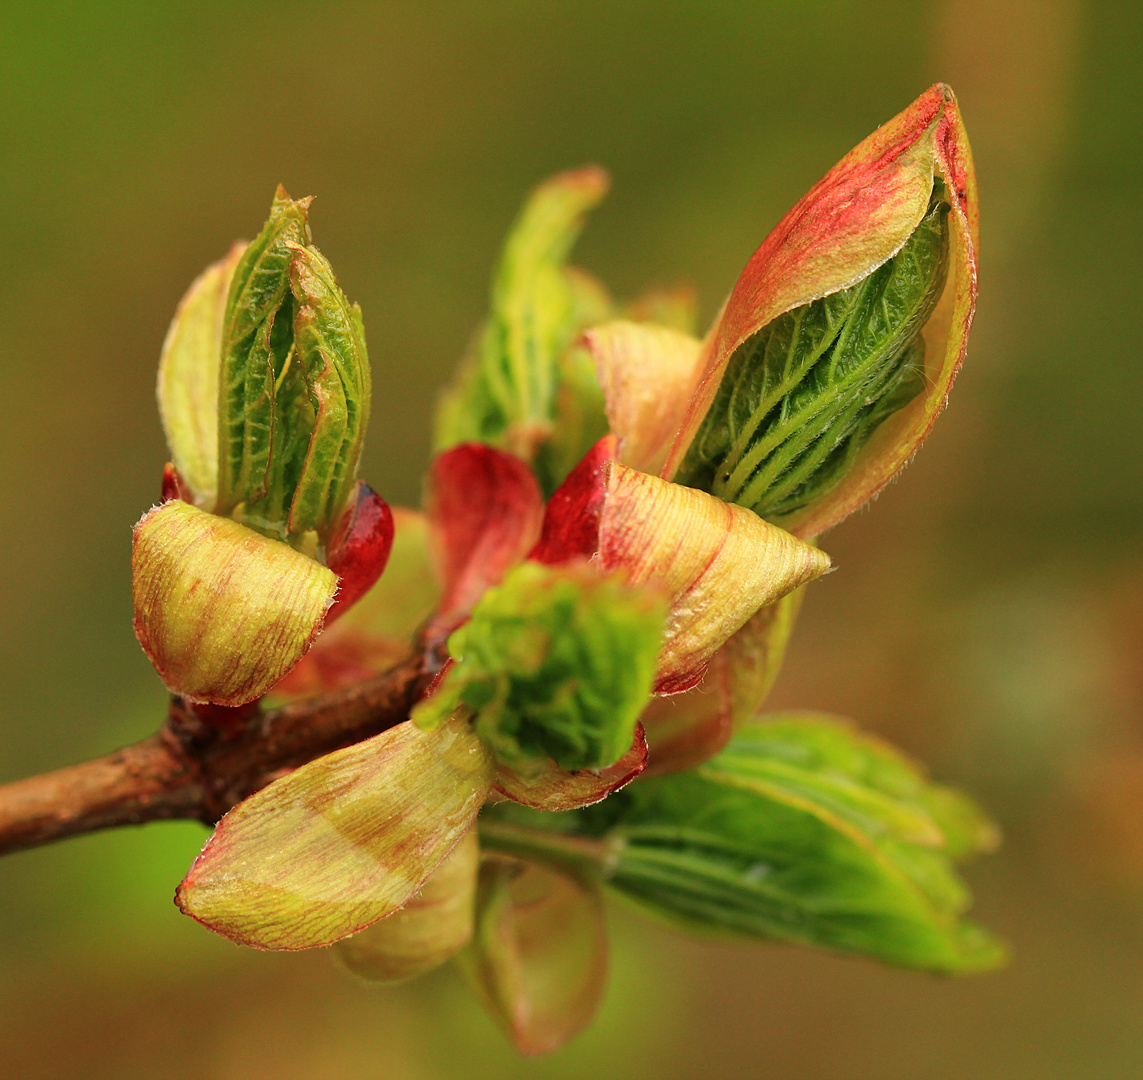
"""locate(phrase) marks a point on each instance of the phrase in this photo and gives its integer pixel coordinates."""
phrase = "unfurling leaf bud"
(519, 379)
(556, 662)
(430, 929)
(222, 612)
(802, 396)
(295, 385)
(264, 393)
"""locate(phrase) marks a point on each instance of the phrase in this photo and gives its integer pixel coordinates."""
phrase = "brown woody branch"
(195, 770)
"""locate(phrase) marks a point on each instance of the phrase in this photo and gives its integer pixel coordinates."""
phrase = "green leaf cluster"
(294, 384)
(556, 662)
(523, 387)
(801, 830)
(802, 396)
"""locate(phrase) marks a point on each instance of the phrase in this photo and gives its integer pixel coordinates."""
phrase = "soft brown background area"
(986, 613)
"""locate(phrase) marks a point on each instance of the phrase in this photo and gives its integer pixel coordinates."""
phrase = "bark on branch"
(195, 770)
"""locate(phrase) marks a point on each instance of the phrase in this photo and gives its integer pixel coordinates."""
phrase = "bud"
(222, 612)
(835, 352)
(430, 929)
(802, 396)
(295, 385)
(264, 394)
(538, 959)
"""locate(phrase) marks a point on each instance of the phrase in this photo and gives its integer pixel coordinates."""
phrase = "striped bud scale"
(222, 612)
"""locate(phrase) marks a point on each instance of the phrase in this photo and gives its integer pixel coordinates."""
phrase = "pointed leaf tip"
(851, 223)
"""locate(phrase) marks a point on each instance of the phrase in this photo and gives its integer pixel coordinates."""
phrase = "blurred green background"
(987, 614)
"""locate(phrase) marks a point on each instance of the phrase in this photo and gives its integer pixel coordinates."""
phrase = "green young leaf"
(803, 395)
(557, 662)
(294, 385)
(507, 393)
(801, 830)
(257, 341)
(580, 412)
(329, 343)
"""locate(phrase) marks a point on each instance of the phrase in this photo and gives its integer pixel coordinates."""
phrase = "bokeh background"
(987, 615)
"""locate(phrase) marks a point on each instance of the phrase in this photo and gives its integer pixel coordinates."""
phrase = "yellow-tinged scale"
(221, 611)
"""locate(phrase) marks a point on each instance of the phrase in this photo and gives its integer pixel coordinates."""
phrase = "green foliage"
(556, 662)
(330, 349)
(801, 830)
(294, 384)
(803, 395)
(518, 388)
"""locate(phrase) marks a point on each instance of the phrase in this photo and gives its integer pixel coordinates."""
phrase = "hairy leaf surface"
(803, 395)
(556, 662)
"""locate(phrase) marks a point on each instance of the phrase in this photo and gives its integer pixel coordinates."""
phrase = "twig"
(191, 769)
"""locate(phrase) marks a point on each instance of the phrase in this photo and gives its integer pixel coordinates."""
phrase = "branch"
(198, 771)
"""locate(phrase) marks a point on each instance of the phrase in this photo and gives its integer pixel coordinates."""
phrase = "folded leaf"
(341, 842)
(538, 959)
(717, 564)
(430, 929)
(484, 509)
(188, 378)
(329, 344)
(805, 833)
(551, 788)
(295, 385)
(257, 344)
(801, 398)
(222, 612)
(863, 776)
(556, 662)
(851, 222)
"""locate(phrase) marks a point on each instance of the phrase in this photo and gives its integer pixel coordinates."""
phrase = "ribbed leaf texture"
(802, 396)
